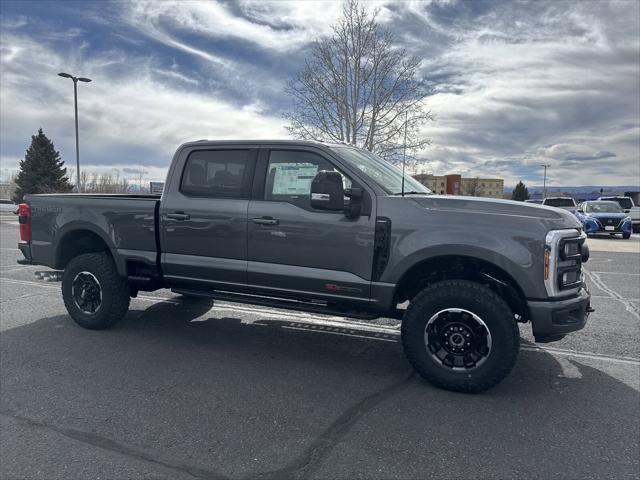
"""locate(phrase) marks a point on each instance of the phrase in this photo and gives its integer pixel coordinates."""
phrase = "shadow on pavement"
(221, 398)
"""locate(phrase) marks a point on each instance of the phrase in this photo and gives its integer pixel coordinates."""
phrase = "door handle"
(178, 216)
(265, 221)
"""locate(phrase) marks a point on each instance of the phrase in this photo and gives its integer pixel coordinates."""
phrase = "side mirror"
(580, 210)
(327, 191)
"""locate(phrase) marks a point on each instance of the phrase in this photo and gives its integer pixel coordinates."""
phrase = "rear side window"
(218, 173)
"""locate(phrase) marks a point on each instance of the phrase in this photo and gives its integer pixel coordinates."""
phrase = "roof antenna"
(404, 152)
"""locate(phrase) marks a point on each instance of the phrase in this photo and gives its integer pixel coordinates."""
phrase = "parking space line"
(595, 278)
(612, 298)
(344, 334)
(578, 354)
(12, 268)
(615, 273)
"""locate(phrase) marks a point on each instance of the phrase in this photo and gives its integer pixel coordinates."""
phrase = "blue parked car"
(604, 217)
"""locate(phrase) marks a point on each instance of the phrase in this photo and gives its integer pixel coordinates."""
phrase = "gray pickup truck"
(326, 229)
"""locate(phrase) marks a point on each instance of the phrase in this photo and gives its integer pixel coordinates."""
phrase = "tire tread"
(480, 293)
(110, 280)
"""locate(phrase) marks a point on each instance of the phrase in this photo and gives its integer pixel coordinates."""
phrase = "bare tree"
(357, 87)
(84, 178)
(104, 183)
(8, 189)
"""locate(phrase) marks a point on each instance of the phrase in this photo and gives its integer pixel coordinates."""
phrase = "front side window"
(290, 173)
(217, 173)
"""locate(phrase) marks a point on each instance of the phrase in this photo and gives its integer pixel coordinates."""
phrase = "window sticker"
(293, 178)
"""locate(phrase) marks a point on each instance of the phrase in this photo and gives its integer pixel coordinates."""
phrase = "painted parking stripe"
(615, 273)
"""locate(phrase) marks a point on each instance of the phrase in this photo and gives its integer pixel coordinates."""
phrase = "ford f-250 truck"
(327, 229)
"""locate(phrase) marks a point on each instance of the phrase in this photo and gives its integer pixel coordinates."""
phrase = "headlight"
(563, 257)
(590, 224)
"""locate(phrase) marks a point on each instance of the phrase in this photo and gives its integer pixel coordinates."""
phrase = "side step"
(300, 306)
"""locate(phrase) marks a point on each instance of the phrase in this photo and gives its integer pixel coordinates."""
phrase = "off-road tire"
(480, 300)
(115, 291)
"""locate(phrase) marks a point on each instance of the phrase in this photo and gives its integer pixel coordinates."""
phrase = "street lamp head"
(84, 79)
(65, 75)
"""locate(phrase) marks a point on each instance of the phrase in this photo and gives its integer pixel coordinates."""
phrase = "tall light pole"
(75, 102)
(544, 182)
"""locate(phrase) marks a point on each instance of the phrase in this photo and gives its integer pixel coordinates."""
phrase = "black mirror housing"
(327, 191)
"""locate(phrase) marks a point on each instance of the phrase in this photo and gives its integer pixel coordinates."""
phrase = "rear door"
(295, 250)
(203, 215)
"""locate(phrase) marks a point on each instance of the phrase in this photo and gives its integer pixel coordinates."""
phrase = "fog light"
(569, 277)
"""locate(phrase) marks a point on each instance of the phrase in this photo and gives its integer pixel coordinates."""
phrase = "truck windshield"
(386, 175)
(603, 207)
(560, 202)
(624, 202)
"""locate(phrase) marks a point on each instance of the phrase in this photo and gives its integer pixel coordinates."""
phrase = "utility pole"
(544, 182)
(75, 103)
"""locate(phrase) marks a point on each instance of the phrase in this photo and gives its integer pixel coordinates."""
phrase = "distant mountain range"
(606, 189)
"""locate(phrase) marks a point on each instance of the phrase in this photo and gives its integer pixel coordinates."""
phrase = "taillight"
(24, 219)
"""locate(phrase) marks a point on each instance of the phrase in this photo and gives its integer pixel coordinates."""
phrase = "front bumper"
(552, 320)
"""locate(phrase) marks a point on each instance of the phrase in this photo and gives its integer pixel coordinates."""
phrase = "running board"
(300, 306)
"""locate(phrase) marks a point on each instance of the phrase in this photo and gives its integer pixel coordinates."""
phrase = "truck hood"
(477, 206)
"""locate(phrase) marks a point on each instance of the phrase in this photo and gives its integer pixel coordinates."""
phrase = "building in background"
(458, 185)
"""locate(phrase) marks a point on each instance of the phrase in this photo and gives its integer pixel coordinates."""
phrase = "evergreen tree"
(41, 171)
(520, 193)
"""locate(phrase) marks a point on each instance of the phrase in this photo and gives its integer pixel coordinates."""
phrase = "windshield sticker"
(293, 178)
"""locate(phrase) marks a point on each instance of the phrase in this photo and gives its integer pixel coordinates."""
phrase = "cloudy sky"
(513, 85)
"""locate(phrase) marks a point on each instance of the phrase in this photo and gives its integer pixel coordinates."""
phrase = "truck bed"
(125, 223)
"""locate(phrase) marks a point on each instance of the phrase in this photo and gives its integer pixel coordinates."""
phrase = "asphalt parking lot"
(191, 390)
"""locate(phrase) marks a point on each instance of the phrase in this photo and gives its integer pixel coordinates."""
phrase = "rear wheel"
(94, 294)
(461, 336)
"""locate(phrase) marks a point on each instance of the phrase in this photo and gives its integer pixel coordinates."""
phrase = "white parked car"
(7, 206)
(629, 208)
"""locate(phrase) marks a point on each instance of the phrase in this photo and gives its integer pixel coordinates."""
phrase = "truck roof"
(267, 141)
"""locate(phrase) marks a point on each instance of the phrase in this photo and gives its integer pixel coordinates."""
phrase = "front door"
(204, 217)
(294, 250)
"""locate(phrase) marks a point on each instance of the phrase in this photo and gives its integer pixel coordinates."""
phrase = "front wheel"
(626, 236)
(460, 336)
(95, 295)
